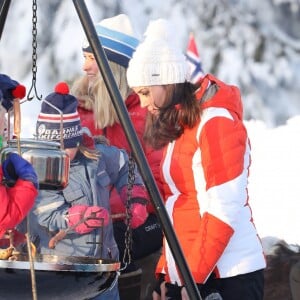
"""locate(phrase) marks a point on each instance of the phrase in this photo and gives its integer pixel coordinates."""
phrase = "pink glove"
(87, 218)
(139, 215)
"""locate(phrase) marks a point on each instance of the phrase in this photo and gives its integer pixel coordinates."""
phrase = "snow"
(254, 45)
(274, 187)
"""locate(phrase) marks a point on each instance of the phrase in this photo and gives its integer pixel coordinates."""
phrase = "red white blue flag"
(194, 61)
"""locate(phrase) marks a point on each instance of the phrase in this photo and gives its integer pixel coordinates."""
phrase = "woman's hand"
(162, 296)
(163, 292)
(184, 294)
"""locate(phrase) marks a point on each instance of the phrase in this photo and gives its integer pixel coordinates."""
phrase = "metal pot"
(50, 162)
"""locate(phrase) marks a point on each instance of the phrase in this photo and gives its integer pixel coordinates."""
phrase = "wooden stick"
(17, 122)
(17, 132)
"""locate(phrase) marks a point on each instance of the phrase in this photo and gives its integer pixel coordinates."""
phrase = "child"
(83, 205)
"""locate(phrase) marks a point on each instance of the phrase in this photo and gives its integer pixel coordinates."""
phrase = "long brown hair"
(179, 111)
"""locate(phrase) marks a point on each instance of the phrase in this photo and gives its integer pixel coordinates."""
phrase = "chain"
(128, 232)
(34, 70)
(34, 53)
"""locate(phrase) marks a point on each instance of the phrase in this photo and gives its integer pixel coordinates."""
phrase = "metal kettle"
(50, 162)
(48, 158)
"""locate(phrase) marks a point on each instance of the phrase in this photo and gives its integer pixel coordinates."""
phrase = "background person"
(205, 171)
(16, 198)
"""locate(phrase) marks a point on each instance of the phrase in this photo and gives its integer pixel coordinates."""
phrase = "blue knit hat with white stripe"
(60, 108)
(117, 38)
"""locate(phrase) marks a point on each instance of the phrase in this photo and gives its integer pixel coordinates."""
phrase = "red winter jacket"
(116, 136)
(205, 174)
(15, 203)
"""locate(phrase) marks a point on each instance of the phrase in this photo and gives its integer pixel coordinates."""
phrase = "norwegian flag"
(194, 61)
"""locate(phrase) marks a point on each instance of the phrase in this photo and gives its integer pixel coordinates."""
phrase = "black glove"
(15, 167)
(208, 293)
(173, 291)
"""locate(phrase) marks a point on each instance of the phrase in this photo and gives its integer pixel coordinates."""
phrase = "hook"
(33, 85)
(34, 52)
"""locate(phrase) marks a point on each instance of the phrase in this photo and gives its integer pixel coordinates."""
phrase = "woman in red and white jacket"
(205, 171)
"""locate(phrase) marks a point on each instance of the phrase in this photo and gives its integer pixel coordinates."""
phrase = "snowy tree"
(252, 44)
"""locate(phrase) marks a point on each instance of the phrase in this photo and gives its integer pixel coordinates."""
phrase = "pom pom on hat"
(19, 92)
(60, 107)
(157, 61)
(160, 29)
(117, 38)
(62, 88)
(10, 89)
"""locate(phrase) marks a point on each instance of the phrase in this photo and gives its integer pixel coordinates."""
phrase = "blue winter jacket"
(89, 183)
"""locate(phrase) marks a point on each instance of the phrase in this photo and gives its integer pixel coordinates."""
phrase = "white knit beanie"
(157, 61)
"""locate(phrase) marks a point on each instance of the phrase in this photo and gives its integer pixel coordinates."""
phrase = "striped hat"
(118, 39)
(60, 107)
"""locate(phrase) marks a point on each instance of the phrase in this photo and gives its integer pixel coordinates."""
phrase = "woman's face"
(90, 66)
(151, 97)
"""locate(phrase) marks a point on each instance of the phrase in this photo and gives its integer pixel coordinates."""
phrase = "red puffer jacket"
(116, 136)
(15, 203)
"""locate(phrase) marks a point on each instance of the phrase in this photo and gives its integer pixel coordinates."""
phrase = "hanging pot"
(57, 277)
(50, 162)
